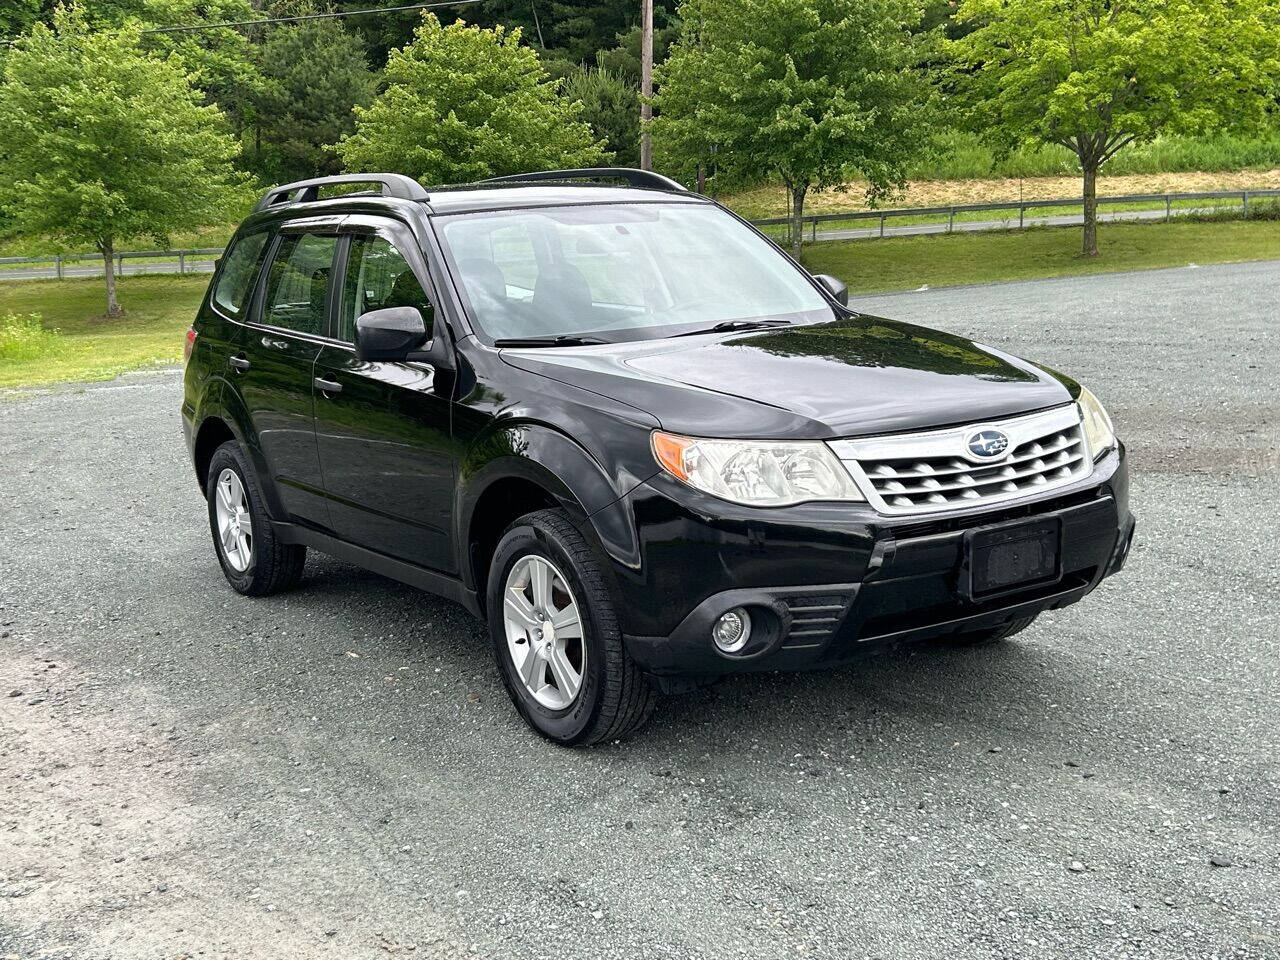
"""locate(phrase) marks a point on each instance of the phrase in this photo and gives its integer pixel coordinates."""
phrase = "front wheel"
(556, 637)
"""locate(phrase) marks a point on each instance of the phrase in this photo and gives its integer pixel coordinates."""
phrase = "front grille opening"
(932, 471)
(909, 484)
(927, 527)
(938, 614)
(814, 618)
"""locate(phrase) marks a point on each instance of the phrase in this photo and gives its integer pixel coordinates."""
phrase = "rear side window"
(239, 270)
(298, 283)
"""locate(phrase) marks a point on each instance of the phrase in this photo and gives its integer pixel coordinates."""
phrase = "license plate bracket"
(1008, 557)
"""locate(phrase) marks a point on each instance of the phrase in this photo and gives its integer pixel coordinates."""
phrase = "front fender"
(554, 461)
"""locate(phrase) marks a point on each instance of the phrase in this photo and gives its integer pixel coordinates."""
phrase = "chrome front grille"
(937, 470)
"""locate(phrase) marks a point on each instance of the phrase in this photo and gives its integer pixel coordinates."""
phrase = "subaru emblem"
(987, 444)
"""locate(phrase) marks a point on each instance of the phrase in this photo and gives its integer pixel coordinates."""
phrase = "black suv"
(615, 420)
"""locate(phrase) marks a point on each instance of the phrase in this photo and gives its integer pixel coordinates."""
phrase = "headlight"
(758, 473)
(1097, 425)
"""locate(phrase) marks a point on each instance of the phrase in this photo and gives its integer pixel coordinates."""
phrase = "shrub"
(23, 337)
(612, 106)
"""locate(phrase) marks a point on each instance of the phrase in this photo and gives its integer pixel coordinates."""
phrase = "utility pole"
(646, 84)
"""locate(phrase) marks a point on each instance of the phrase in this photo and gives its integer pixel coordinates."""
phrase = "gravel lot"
(338, 773)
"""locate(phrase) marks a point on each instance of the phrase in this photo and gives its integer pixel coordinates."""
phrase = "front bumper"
(826, 583)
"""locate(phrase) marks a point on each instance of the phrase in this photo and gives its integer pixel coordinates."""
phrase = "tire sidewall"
(224, 459)
(570, 724)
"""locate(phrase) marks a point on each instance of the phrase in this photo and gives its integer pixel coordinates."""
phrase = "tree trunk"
(1090, 248)
(797, 217)
(108, 261)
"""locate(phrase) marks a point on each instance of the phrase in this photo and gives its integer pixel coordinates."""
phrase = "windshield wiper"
(563, 340)
(727, 326)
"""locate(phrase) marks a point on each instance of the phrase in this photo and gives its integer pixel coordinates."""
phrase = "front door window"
(378, 276)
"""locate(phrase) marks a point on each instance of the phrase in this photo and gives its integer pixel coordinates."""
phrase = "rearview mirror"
(834, 287)
(391, 333)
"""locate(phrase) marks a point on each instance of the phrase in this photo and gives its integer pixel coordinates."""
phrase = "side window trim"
(337, 287)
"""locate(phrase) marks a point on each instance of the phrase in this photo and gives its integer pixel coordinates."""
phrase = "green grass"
(75, 342)
(78, 343)
(963, 156)
(903, 263)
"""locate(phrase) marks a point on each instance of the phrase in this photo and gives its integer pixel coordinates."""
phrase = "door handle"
(239, 362)
(275, 344)
(327, 386)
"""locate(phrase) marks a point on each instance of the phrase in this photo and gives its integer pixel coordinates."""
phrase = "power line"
(309, 16)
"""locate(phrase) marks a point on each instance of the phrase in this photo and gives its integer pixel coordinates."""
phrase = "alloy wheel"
(235, 527)
(544, 631)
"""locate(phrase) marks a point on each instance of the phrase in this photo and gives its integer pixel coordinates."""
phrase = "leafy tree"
(17, 15)
(463, 103)
(219, 61)
(568, 30)
(808, 90)
(102, 142)
(312, 76)
(624, 58)
(611, 106)
(581, 27)
(1097, 75)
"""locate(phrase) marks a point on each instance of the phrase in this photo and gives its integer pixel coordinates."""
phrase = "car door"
(274, 361)
(383, 429)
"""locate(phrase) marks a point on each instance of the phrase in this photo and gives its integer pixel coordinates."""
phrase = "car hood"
(851, 377)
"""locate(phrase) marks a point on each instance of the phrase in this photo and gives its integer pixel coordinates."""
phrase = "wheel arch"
(519, 468)
(223, 416)
(213, 433)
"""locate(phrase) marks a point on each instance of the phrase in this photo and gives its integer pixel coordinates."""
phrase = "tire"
(613, 698)
(272, 566)
(986, 638)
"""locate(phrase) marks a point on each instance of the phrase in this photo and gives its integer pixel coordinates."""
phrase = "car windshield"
(617, 272)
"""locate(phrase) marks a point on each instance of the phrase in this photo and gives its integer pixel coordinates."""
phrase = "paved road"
(337, 772)
(90, 269)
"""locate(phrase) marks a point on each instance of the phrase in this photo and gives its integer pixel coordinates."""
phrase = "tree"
(462, 104)
(312, 77)
(1097, 75)
(624, 58)
(103, 143)
(611, 106)
(582, 27)
(17, 15)
(811, 91)
(220, 62)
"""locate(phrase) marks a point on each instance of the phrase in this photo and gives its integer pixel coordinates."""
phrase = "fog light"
(732, 631)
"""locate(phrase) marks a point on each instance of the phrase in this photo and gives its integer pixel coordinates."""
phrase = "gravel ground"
(337, 772)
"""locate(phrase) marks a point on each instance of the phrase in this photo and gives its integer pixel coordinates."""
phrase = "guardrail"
(1021, 206)
(59, 261)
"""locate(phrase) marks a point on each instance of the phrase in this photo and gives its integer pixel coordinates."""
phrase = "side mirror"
(389, 334)
(834, 287)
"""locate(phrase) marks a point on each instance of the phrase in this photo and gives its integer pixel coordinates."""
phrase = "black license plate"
(1011, 556)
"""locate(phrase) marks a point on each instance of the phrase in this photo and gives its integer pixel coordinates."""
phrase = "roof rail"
(634, 177)
(303, 191)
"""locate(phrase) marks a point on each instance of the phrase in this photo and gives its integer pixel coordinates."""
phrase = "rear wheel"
(984, 638)
(556, 638)
(254, 561)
